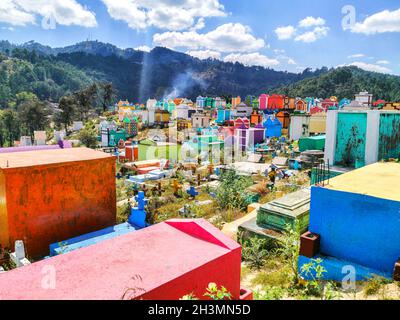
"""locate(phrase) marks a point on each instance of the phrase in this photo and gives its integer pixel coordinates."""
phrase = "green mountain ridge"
(136, 75)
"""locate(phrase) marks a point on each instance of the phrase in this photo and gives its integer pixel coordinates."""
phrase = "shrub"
(254, 252)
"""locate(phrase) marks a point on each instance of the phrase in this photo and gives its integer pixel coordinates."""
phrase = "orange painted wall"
(52, 203)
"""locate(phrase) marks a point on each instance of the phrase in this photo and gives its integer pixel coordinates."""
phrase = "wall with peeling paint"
(45, 204)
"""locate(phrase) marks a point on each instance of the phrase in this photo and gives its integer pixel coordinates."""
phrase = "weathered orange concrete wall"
(52, 203)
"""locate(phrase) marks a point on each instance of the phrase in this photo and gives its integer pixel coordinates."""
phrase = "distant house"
(263, 101)
(200, 120)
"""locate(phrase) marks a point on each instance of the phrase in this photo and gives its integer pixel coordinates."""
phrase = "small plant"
(254, 252)
(374, 285)
(316, 286)
(290, 248)
(215, 293)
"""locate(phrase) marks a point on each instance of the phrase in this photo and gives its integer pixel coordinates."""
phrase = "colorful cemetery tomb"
(201, 102)
(90, 239)
(290, 104)
(275, 102)
(248, 138)
(64, 206)
(162, 118)
(240, 122)
(301, 105)
(284, 118)
(210, 103)
(255, 118)
(182, 125)
(299, 126)
(274, 217)
(273, 127)
(114, 136)
(357, 217)
(321, 176)
(344, 102)
(312, 143)
(358, 138)
(263, 102)
(220, 102)
(364, 98)
(223, 115)
(317, 123)
(60, 145)
(328, 104)
(391, 106)
(182, 112)
(235, 102)
(131, 153)
(243, 111)
(188, 253)
(200, 120)
(150, 149)
(40, 138)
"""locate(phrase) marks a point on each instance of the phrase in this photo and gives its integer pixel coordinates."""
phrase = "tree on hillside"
(33, 116)
(67, 114)
(85, 99)
(107, 94)
(9, 127)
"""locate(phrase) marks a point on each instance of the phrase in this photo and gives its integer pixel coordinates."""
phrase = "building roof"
(380, 180)
(144, 259)
(48, 157)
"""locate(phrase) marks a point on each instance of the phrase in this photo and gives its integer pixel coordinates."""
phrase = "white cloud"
(381, 22)
(8, 28)
(200, 24)
(383, 62)
(285, 33)
(311, 22)
(319, 30)
(144, 48)
(291, 61)
(164, 14)
(10, 13)
(205, 54)
(64, 12)
(314, 35)
(225, 38)
(252, 59)
(357, 55)
(370, 67)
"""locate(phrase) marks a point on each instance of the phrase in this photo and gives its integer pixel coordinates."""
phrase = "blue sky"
(284, 35)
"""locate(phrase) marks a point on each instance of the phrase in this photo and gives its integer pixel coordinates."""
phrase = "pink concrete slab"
(175, 258)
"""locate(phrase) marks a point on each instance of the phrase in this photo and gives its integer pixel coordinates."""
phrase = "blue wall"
(358, 228)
